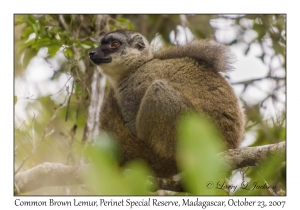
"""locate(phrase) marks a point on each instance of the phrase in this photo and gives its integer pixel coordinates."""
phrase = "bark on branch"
(250, 156)
(49, 174)
(57, 174)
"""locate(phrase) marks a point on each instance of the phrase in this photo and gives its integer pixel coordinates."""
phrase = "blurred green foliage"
(107, 178)
(269, 178)
(198, 144)
(75, 36)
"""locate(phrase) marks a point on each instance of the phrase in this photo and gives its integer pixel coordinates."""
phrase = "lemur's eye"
(114, 44)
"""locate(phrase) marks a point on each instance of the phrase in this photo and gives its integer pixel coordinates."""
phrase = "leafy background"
(51, 64)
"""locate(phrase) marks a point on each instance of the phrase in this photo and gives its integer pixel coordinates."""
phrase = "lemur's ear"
(137, 41)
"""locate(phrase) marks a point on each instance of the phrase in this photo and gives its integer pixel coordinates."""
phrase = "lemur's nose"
(91, 53)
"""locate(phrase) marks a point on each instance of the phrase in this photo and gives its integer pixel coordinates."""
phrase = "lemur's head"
(120, 52)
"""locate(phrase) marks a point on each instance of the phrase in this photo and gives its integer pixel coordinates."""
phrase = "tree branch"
(57, 174)
(49, 174)
(250, 156)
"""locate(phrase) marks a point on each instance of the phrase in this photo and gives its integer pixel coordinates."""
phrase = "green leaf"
(86, 46)
(28, 55)
(136, 178)
(279, 49)
(52, 49)
(15, 100)
(248, 49)
(68, 53)
(31, 19)
(89, 43)
(233, 42)
(19, 20)
(198, 144)
(122, 20)
(112, 28)
(44, 33)
(104, 179)
(260, 29)
(24, 46)
(27, 31)
(55, 29)
(107, 179)
(42, 43)
(130, 26)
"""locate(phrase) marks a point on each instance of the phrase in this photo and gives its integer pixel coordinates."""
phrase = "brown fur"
(145, 102)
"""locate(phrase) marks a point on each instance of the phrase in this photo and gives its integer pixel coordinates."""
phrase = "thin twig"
(63, 88)
(45, 134)
(68, 104)
(269, 188)
(21, 125)
(62, 20)
(32, 130)
(252, 125)
(247, 82)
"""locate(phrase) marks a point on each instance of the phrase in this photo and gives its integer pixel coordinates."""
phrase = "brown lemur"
(149, 93)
